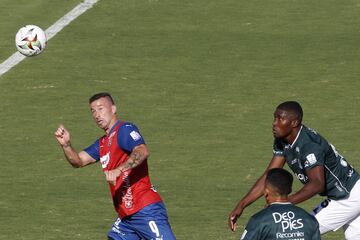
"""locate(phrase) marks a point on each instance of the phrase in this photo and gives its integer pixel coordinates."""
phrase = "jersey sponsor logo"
(278, 152)
(104, 160)
(301, 177)
(310, 160)
(127, 195)
(288, 221)
(291, 235)
(111, 138)
(135, 135)
(294, 161)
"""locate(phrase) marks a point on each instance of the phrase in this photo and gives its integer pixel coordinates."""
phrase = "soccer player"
(123, 155)
(318, 165)
(281, 219)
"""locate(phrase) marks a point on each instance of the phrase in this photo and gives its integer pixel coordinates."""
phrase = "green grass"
(200, 78)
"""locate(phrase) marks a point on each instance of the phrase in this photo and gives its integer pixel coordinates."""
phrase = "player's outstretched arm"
(137, 156)
(254, 193)
(76, 159)
(315, 185)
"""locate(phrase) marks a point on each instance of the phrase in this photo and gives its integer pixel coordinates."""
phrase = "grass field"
(200, 78)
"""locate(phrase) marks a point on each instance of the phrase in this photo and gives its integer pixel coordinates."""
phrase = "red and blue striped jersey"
(133, 190)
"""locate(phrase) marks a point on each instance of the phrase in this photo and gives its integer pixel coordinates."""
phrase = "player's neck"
(111, 125)
(293, 135)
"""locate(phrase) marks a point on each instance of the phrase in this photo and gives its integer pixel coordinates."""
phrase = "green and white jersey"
(309, 150)
(282, 221)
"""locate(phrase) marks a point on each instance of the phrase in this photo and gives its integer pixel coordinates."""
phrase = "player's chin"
(275, 134)
(101, 124)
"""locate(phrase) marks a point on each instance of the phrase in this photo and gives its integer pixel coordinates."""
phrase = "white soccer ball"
(30, 40)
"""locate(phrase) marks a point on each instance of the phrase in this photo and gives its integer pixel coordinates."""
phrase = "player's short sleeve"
(278, 147)
(252, 230)
(316, 234)
(313, 156)
(129, 137)
(94, 150)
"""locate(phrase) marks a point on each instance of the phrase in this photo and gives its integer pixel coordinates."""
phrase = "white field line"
(50, 32)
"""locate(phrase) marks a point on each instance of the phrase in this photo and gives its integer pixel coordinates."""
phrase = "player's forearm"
(306, 192)
(71, 155)
(254, 193)
(136, 157)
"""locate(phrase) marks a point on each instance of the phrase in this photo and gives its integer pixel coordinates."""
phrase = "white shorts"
(334, 214)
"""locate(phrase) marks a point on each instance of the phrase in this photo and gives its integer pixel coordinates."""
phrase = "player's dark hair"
(101, 95)
(292, 107)
(281, 180)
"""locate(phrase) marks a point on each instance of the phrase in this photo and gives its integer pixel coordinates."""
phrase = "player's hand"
(112, 175)
(233, 217)
(62, 135)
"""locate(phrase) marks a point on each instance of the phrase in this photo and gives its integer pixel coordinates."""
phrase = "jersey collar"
(297, 136)
(281, 203)
(112, 128)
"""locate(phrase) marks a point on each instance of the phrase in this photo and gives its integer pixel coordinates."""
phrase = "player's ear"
(266, 194)
(295, 123)
(266, 191)
(113, 109)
